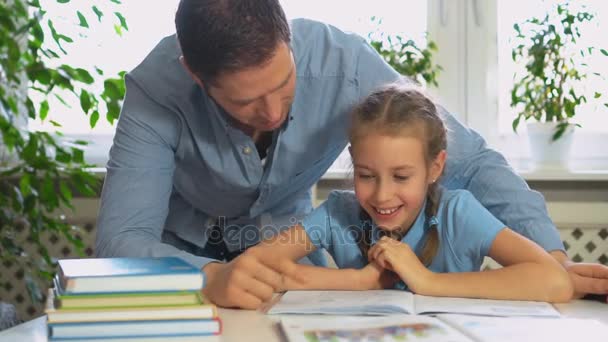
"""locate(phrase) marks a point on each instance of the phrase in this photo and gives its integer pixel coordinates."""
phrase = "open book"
(389, 302)
(444, 328)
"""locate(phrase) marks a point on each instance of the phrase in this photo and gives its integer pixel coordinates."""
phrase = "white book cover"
(390, 302)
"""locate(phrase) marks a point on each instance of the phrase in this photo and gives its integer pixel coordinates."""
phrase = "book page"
(374, 302)
(532, 329)
(484, 307)
(393, 328)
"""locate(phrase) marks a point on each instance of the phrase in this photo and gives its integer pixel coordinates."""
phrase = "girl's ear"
(437, 166)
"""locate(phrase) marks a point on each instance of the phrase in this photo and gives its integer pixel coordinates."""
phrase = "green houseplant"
(406, 57)
(41, 172)
(549, 90)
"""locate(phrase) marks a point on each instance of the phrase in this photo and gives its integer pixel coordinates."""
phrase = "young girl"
(399, 221)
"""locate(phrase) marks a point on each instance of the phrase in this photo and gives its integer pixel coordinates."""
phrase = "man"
(225, 128)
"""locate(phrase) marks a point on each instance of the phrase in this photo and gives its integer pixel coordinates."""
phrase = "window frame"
(471, 37)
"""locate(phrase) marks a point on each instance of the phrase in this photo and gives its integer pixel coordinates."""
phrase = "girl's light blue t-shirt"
(466, 231)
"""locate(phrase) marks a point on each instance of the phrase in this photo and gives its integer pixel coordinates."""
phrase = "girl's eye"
(364, 176)
(401, 178)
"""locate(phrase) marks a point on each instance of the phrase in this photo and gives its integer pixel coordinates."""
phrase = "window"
(105, 49)
(407, 18)
(490, 77)
(393, 17)
(474, 51)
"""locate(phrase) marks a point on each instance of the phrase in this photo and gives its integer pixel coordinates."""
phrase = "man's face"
(259, 98)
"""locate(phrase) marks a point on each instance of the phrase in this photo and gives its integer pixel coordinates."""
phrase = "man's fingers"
(589, 270)
(269, 275)
(589, 285)
(257, 288)
(588, 278)
(248, 301)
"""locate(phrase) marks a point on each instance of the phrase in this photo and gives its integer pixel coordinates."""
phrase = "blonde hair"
(399, 110)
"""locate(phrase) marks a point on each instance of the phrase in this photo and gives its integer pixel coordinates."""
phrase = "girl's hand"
(374, 277)
(398, 257)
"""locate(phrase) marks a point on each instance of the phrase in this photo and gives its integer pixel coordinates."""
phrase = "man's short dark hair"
(220, 36)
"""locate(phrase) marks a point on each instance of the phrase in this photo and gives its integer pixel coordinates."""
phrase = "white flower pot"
(547, 153)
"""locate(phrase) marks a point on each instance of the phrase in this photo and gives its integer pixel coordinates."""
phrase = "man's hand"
(243, 283)
(587, 278)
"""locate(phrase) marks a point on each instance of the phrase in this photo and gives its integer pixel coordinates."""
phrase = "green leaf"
(65, 38)
(56, 36)
(123, 21)
(66, 193)
(93, 119)
(25, 184)
(82, 20)
(48, 194)
(44, 109)
(604, 52)
(112, 90)
(55, 123)
(116, 1)
(118, 30)
(113, 111)
(63, 157)
(31, 111)
(85, 101)
(61, 99)
(97, 12)
(516, 123)
(77, 155)
(597, 95)
(63, 1)
(84, 76)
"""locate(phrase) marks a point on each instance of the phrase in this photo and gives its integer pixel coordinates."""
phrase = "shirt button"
(246, 149)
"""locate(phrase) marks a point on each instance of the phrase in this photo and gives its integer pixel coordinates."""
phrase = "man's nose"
(273, 108)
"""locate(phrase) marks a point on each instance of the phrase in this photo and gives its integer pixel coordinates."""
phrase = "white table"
(240, 325)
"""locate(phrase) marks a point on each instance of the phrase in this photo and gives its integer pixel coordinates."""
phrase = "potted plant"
(41, 171)
(405, 56)
(551, 89)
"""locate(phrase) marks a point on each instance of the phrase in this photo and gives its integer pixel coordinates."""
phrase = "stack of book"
(130, 299)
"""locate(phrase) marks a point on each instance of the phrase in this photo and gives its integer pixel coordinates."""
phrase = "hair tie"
(433, 221)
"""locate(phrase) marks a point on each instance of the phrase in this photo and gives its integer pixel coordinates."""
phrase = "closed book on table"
(189, 338)
(116, 275)
(184, 312)
(126, 300)
(134, 329)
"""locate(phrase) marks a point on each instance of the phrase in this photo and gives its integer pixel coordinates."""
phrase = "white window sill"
(592, 169)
